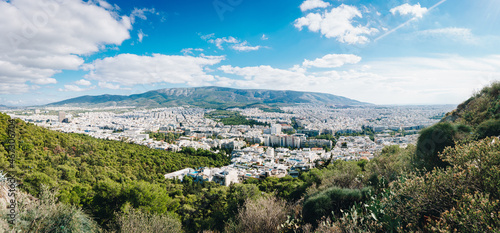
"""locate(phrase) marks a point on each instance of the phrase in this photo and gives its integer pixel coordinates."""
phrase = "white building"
(275, 129)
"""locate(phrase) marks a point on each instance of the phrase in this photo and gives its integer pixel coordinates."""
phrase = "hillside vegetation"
(481, 107)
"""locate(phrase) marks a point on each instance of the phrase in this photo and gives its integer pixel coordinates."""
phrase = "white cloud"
(75, 88)
(313, 4)
(408, 80)
(236, 44)
(44, 37)
(141, 13)
(219, 41)
(451, 33)
(244, 47)
(264, 37)
(189, 51)
(108, 85)
(83, 82)
(140, 36)
(407, 9)
(208, 36)
(332, 61)
(338, 23)
(131, 69)
(263, 76)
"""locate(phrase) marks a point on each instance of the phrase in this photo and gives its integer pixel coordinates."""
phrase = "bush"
(474, 213)
(265, 214)
(480, 161)
(389, 165)
(488, 128)
(339, 174)
(431, 142)
(329, 201)
(46, 215)
(136, 221)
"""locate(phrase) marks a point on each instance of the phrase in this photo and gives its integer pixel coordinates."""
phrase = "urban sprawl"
(284, 142)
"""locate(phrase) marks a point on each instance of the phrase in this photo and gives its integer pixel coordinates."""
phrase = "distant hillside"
(210, 97)
(483, 106)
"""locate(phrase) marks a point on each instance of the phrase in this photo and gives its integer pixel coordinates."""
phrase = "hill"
(98, 175)
(210, 97)
(483, 106)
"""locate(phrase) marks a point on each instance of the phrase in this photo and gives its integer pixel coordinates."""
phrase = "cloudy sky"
(383, 52)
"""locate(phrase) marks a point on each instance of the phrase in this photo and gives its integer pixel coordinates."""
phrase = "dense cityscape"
(282, 142)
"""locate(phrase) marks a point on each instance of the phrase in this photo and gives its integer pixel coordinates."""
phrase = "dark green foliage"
(488, 128)
(331, 200)
(167, 137)
(99, 175)
(287, 188)
(271, 109)
(232, 118)
(431, 142)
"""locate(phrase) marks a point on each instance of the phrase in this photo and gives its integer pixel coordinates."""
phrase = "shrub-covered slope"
(99, 175)
(481, 107)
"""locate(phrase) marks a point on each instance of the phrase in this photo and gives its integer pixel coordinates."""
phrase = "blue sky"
(383, 52)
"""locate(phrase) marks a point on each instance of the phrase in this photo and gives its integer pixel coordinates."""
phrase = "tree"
(432, 141)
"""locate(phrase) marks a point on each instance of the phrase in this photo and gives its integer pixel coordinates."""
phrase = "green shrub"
(473, 213)
(136, 221)
(331, 200)
(431, 142)
(389, 165)
(46, 215)
(488, 128)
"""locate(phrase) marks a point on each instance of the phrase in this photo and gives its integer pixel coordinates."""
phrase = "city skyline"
(381, 52)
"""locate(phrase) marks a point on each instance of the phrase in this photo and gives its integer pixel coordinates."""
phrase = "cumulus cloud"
(219, 41)
(83, 82)
(332, 61)
(337, 23)
(131, 69)
(108, 85)
(407, 9)
(44, 37)
(313, 4)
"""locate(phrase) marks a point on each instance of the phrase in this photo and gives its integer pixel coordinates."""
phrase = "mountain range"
(210, 97)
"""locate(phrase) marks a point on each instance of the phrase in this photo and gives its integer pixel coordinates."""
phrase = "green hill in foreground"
(101, 176)
(210, 97)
